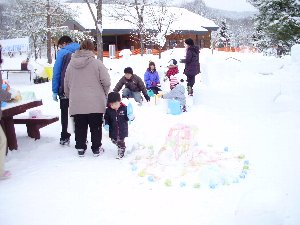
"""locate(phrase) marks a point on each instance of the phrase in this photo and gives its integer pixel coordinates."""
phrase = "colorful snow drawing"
(182, 161)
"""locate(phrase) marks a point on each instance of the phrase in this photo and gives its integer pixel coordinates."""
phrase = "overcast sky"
(233, 5)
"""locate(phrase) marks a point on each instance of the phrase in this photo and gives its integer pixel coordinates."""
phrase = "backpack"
(65, 62)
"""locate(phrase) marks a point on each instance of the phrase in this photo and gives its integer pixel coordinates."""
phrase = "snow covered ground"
(246, 102)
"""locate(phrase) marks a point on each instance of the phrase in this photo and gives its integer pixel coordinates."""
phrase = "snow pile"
(295, 53)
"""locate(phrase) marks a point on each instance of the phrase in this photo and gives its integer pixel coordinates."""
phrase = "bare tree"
(98, 24)
(132, 11)
(161, 20)
(31, 19)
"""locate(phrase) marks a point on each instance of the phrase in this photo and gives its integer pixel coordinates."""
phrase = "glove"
(54, 96)
(106, 127)
(147, 98)
(131, 117)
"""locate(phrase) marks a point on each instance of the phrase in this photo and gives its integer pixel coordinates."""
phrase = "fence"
(238, 49)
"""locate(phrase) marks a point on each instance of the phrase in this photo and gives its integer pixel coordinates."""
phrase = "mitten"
(147, 98)
(54, 96)
(131, 117)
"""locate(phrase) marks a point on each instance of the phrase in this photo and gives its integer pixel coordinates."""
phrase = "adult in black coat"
(192, 65)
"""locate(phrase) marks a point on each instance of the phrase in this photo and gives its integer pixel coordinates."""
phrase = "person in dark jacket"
(67, 47)
(192, 65)
(117, 119)
(151, 78)
(4, 96)
(134, 85)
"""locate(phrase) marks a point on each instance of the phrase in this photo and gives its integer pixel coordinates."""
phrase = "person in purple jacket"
(151, 78)
(192, 65)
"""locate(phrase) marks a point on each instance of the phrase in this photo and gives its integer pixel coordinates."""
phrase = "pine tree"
(277, 22)
(223, 35)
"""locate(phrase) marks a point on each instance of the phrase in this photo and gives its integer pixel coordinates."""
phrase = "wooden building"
(121, 33)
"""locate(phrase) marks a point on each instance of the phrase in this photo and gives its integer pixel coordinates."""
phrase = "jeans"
(94, 121)
(130, 94)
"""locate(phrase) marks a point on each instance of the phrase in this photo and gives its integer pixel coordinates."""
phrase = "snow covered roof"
(184, 21)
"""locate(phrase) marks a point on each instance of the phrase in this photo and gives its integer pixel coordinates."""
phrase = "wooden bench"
(16, 71)
(35, 124)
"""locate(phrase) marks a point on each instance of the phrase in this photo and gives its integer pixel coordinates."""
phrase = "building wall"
(174, 40)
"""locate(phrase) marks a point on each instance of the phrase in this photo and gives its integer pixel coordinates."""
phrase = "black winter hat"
(128, 70)
(173, 61)
(189, 41)
(113, 97)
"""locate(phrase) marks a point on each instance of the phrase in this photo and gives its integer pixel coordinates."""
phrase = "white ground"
(252, 106)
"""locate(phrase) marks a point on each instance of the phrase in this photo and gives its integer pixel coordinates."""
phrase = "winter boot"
(190, 90)
(65, 141)
(81, 152)
(98, 152)
(121, 153)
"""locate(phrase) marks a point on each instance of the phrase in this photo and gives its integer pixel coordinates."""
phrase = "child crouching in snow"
(117, 119)
(177, 92)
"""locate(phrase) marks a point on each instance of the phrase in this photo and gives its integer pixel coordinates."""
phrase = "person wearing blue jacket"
(151, 78)
(67, 47)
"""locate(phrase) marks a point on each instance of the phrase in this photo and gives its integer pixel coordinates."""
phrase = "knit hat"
(189, 41)
(128, 70)
(173, 81)
(173, 62)
(113, 97)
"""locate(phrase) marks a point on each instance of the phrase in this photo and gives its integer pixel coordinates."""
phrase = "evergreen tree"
(223, 35)
(277, 22)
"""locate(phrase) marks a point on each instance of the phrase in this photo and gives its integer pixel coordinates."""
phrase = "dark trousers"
(190, 81)
(64, 110)
(119, 142)
(155, 90)
(94, 121)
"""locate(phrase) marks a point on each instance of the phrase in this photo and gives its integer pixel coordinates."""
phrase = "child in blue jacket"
(151, 78)
(116, 117)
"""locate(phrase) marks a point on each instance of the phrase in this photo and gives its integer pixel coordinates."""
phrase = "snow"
(183, 22)
(246, 104)
(295, 53)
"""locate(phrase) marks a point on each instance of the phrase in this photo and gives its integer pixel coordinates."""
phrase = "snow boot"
(81, 152)
(98, 152)
(65, 141)
(121, 153)
(190, 91)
